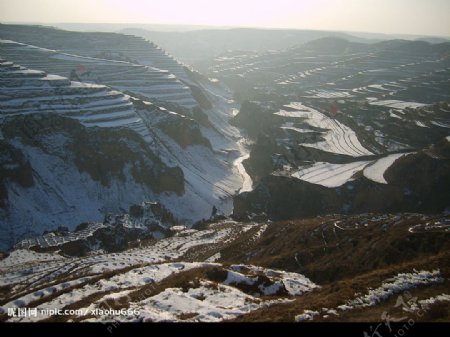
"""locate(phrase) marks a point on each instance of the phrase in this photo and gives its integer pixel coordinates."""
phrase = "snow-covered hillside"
(64, 192)
(220, 294)
(138, 78)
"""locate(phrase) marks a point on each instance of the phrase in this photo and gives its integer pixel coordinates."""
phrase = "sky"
(417, 17)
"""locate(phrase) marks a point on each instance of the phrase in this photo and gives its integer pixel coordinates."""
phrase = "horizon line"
(212, 27)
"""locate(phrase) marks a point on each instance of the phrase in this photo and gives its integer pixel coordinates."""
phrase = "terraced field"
(338, 139)
(26, 91)
(138, 78)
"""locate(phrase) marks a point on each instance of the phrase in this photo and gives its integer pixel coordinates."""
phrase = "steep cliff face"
(56, 171)
(14, 167)
(142, 223)
(184, 131)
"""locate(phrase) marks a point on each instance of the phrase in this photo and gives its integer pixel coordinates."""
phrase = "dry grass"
(325, 254)
(334, 294)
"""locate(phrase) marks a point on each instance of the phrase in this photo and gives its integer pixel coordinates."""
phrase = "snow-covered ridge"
(375, 171)
(335, 175)
(395, 285)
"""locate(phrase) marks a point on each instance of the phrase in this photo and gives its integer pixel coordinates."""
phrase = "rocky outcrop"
(251, 112)
(143, 222)
(152, 215)
(184, 131)
(13, 167)
(111, 239)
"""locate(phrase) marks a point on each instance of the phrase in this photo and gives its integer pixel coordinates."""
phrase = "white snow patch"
(440, 124)
(238, 278)
(260, 232)
(213, 258)
(296, 284)
(400, 283)
(332, 312)
(42, 293)
(207, 303)
(51, 77)
(375, 171)
(23, 256)
(397, 284)
(432, 300)
(421, 124)
(397, 104)
(330, 175)
(335, 175)
(308, 315)
(246, 228)
(133, 278)
(393, 115)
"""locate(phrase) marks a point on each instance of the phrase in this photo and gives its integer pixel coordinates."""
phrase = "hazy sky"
(427, 17)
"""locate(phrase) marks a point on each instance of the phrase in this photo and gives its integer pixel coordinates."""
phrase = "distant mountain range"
(197, 45)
